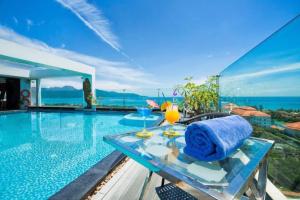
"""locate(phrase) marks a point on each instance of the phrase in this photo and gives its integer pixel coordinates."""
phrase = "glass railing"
(136, 98)
(118, 98)
(65, 96)
(264, 87)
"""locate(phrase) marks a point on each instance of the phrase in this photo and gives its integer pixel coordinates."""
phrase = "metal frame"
(205, 116)
(255, 189)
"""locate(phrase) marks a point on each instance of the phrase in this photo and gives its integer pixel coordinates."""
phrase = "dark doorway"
(9, 93)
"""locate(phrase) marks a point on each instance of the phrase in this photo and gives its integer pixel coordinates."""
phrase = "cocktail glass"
(144, 112)
(172, 115)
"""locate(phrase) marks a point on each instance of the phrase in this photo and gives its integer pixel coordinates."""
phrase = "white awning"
(23, 61)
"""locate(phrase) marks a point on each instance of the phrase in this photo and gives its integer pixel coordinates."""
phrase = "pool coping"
(5, 112)
(65, 108)
(86, 183)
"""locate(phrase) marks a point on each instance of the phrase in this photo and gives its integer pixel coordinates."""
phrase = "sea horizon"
(263, 103)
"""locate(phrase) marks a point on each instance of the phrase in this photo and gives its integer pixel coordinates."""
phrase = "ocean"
(268, 103)
(265, 103)
(111, 101)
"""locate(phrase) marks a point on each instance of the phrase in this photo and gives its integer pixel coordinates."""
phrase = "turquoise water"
(41, 152)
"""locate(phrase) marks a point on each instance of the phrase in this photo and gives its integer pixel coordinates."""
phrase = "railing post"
(123, 97)
(218, 92)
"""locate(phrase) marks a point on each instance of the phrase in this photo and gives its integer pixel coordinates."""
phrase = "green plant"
(87, 90)
(91, 99)
(200, 98)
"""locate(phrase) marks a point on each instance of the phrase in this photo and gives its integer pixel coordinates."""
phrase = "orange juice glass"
(172, 115)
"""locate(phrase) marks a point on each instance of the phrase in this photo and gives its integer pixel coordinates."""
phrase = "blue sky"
(272, 68)
(146, 43)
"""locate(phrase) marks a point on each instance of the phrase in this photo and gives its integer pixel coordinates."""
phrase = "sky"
(272, 68)
(145, 44)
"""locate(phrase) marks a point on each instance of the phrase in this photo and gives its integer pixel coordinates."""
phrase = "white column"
(84, 104)
(38, 92)
(93, 82)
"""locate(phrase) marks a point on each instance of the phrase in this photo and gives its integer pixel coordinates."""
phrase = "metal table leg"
(162, 182)
(262, 179)
(258, 187)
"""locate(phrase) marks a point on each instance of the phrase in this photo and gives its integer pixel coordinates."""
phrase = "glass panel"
(135, 98)
(68, 93)
(264, 87)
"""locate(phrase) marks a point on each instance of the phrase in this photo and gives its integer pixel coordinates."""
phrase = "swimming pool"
(41, 152)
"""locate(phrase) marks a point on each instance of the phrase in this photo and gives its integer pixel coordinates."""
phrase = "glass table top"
(161, 154)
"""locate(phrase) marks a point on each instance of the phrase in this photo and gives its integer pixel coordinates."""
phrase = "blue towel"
(215, 139)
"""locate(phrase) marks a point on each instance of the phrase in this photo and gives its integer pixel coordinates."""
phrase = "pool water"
(41, 152)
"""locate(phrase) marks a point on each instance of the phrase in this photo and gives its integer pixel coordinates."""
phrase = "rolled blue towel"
(215, 139)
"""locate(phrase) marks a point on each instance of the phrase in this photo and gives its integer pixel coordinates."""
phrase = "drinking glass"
(172, 115)
(144, 112)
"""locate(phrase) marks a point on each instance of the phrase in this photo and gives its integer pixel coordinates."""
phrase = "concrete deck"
(127, 184)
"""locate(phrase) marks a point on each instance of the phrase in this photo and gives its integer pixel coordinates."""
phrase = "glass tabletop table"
(226, 179)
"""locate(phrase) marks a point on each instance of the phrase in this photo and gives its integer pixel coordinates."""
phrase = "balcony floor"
(127, 184)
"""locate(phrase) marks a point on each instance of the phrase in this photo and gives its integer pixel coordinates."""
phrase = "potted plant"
(200, 98)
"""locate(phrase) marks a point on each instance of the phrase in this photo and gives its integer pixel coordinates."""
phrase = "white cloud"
(110, 69)
(271, 70)
(77, 83)
(200, 80)
(112, 85)
(113, 72)
(93, 18)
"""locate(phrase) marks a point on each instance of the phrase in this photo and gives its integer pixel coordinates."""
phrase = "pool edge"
(86, 183)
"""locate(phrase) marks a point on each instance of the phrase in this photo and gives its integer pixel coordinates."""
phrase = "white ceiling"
(39, 64)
